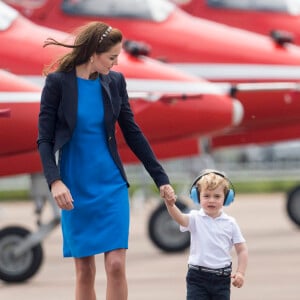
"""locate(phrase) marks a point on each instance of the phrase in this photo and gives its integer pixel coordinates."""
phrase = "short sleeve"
(237, 236)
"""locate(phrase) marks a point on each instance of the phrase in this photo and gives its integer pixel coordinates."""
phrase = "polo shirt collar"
(203, 214)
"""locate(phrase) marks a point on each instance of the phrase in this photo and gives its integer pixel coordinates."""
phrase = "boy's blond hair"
(212, 180)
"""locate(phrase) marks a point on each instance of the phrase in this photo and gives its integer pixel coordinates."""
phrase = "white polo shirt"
(212, 239)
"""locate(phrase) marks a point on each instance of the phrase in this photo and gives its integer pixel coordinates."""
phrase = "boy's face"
(212, 201)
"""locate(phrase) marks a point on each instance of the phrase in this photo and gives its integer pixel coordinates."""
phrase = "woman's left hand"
(167, 192)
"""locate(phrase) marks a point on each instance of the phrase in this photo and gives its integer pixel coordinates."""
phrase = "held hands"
(168, 193)
(238, 279)
(62, 195)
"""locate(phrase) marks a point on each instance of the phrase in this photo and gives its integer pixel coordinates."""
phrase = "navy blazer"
(57, 120)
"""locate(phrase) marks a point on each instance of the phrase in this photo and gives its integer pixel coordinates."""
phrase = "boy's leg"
(197, 286)
(221, 288)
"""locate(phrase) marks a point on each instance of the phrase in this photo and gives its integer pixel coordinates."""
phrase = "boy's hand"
(238, 279)
(170, 202)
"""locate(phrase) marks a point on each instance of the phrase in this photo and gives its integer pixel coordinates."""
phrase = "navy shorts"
(206, 286)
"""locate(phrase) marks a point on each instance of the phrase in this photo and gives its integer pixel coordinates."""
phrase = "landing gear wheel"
(165, 233)
(293, 205)
(17, 269)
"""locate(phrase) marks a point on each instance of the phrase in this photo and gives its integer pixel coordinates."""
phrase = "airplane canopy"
(154, 10)
(285, 6)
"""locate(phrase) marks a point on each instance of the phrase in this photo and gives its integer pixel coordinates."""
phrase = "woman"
(81, 102)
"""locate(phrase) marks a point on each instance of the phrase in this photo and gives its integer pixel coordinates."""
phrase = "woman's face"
(103, 62)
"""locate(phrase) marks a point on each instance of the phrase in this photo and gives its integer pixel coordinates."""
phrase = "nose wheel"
(164, 231)
(293, 205)
(18, 267)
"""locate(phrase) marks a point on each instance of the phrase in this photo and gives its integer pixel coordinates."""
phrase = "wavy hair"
(94, 37)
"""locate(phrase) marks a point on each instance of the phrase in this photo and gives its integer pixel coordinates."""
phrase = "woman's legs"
(85, 278)
(115, 263)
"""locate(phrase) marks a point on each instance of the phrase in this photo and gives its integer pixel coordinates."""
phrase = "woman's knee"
(85, 268)
(115, 263)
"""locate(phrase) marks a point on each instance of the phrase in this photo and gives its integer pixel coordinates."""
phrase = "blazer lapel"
(105, 80)
(70, 99)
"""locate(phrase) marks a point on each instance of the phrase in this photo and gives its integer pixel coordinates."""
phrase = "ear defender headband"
(194, 193)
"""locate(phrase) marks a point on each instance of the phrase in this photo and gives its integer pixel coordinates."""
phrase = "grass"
(20, 195)
(240, 187)
(265, 186)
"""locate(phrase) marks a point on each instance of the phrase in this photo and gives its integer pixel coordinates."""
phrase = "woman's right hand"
(62, 195)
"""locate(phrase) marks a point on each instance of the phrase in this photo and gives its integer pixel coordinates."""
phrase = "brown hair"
(210, 181)
(94, 37)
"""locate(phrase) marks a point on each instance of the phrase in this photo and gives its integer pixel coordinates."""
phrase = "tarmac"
(274, 256)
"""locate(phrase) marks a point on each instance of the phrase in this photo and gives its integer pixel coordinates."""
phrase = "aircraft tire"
(17, 269)
(293, 205)
(164, 231)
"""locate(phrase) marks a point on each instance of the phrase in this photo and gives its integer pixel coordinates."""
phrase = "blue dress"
(99, 221)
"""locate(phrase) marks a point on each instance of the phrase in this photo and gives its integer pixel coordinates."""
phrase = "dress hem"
(94, 253)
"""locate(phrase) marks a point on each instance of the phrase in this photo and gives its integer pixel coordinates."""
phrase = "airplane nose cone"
(238, 112)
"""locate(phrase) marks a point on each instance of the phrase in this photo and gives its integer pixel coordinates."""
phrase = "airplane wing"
(262, 86)
(146, 96)
(139, 89)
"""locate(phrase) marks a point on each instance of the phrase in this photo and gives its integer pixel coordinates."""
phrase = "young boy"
(213, 234)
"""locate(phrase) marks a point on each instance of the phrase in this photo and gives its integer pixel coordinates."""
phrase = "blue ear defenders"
(194, 193)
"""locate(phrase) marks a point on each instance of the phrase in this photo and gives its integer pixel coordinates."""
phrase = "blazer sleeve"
(50, 99)
(137, 141)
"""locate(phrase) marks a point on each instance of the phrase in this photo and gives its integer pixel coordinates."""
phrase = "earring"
(91, 60)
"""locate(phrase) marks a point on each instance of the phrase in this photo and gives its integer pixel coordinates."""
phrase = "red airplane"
(19, 155)
(207, 49)
(224, 54)
(280, 19)
(275, 119)
(215, 52)
(144, 75)
(218, 53)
